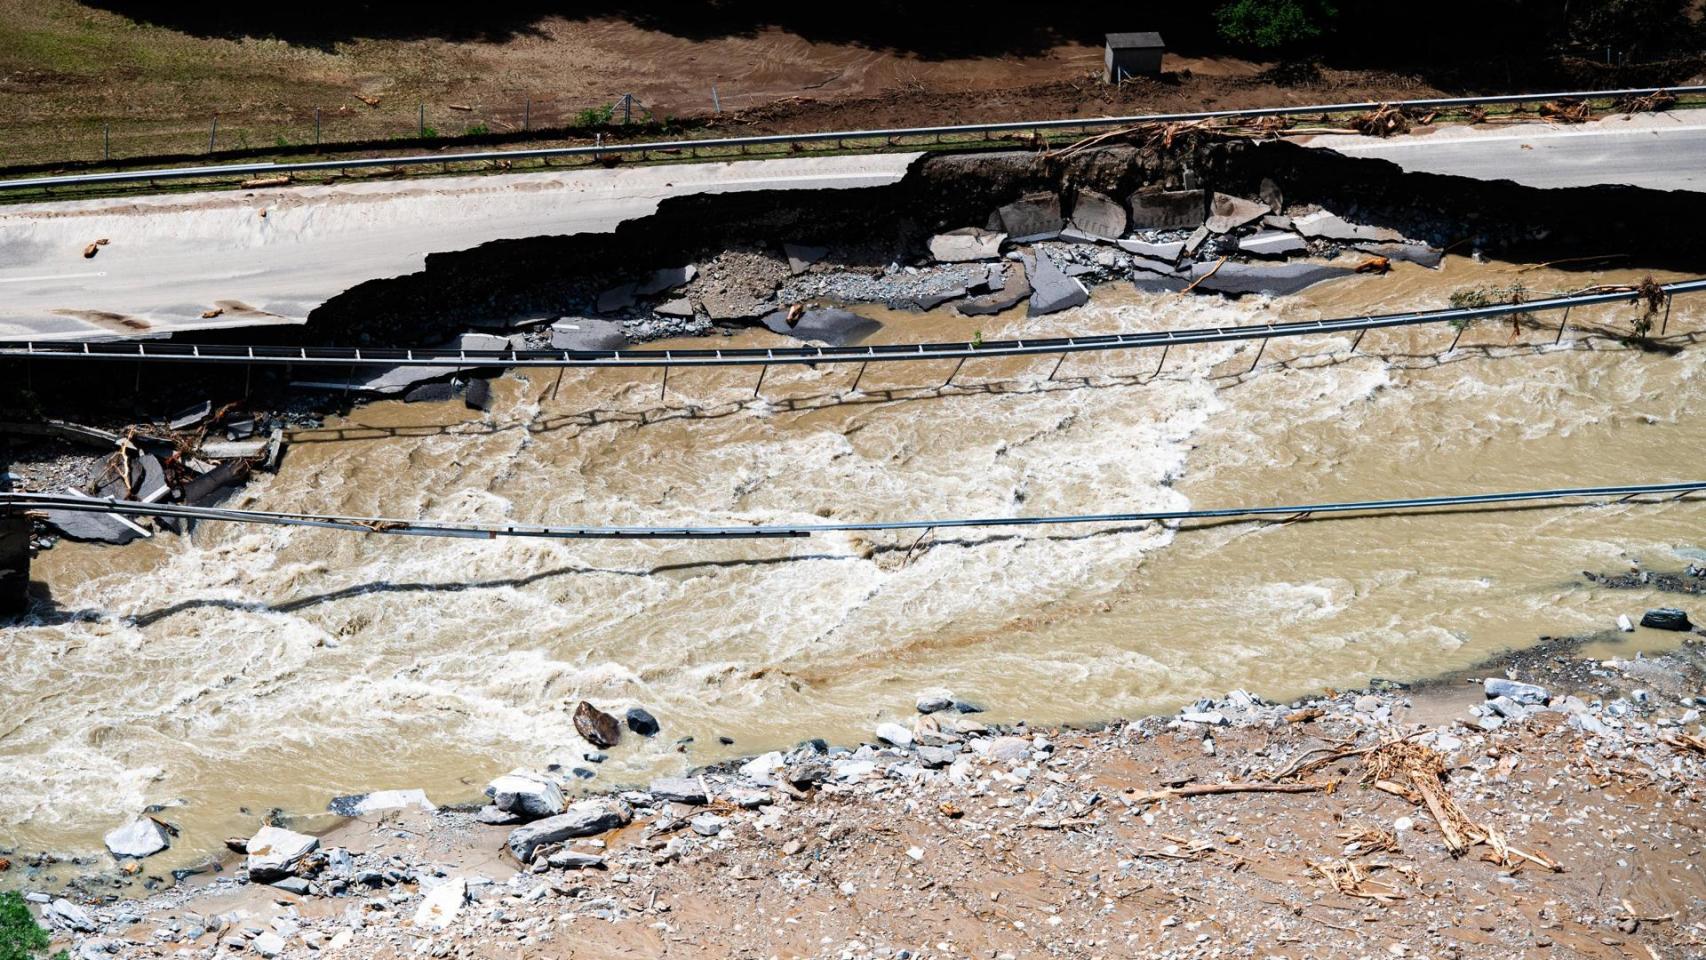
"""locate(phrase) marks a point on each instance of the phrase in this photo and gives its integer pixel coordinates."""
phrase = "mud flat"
(1549, 806)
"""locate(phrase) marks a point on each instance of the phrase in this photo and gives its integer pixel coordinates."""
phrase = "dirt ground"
(1584, 818)
(70, 69)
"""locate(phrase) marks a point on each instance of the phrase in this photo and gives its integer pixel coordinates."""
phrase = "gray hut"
(1133, 55)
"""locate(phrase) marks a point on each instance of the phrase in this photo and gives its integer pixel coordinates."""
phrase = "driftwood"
(1210, 789)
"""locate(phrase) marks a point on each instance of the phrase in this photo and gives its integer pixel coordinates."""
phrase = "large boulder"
(967, 244)
(142, 837)
(1666, 618)
(1052, 290)
(526, 794)
(1035, 216)
(1227, 213)
(587, 818)
(1328, 226)
(1166, 210)
(275, 853)
(1098, 215)
(641, 721)
(599, 728)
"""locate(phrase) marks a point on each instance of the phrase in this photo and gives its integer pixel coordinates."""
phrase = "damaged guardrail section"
(873, 140)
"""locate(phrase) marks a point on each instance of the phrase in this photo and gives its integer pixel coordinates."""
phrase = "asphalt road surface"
(270, 256)
(1659, 151)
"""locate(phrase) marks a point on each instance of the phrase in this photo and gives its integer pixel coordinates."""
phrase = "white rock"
(267, 945)
(762, 768)
(442, 904)
(1625, 624)
(1402, 824)
(69, 916)
(394, 800)
(527, 793)
(894, 733)
(142, 837)
(274, 853)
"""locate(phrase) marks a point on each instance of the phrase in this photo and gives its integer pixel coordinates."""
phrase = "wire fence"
(871, 140)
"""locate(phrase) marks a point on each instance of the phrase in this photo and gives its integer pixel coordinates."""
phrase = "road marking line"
(62, 276)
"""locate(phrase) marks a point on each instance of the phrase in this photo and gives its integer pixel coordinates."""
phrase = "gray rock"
(679, 307)
(190, 416)
(478, 395)
(142, 837)
(527, 794)
(357, 804)
(1212, 718)
(1227, 213)
(1272, 243)
(1523, 693)
(680, 790)
(935, 757)
(995, 277)
(707, 824)
(894, 733)
(497, 818)
(1417, 253)
(575, 860)
(66, 915)
(1051, 289)
(967, 244)
(802, 256)
(1166, 210)
(931, 703)
(1666, 618)
(576, 333)
(1008, 749)
(1032, 217)
(667, 278)
(1098, 216)
(1328, 226)
(340, 865)
(275, 853)
(268, 944)
(1506, 707)
(830, 325)
(616, 298)
(584, 819)
(1272, 279)
(296, 885)
(1014, 290)
(1168, 252)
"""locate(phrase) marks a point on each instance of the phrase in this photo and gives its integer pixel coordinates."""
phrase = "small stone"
(1402, 824)
(680, 790)
(1625, 624)
(931, 703)
(707, 824)
(267, 945)
(575, 860)
(642, 722)
(1213, 718)
(894, 733)
(1008, 749)
(296, 885)
(1367, 703)
(1524, 693)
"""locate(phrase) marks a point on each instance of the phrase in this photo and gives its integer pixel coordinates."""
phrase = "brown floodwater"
(250, 668)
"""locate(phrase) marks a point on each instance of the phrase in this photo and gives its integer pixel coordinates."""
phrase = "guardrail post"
(1164, 348)
(956, 372)
(1057, 364)
(716, 102)
(1259, 352)
(1459, 336)
(1666, 322)
(423, 121)
(664, 389)
(858, 376)
(1358, 341)
(1561, 325)
(763, 369)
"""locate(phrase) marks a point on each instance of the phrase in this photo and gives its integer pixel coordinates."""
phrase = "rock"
(587, 334)
(762, 769)
(1213, 718)
(801, 256)
(268, 944)
(707, 824)
(748, 798)
(679, 307)
(1367, 703)
(680, 790)
(66, 915)
(1008, 749)
(296, 885)
(831, 325)
(1269, 193)
(442, 904)
(142, 837)
(1166, 210)
(1524, 693)
(616, 298)
(1052, 290)
(1098, 215)
(1033, 217)
(1625, 624)
(1417, 253)
(926, 301)
(966, 244)
(575, 860)
(936, 757)
(431, 393)
(1666, 618)
(526, 794)
(1272, 243)
(1506, 707)
(806, 773)
(1167, 252)
(478, 396)
(894, 733)
(1227, 213)
(1272, 279)
(642, 722)
(358, 804)
(497, 818)
(599, 728)
(275, 853)
(934, 703)
(340, 865)
(584, 819)
(1328, 226)
(668, 278)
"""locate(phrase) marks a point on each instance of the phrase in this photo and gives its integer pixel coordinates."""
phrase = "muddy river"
(247, 669)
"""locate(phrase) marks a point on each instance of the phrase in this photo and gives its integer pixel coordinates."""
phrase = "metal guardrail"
(16, 502)
(167, 352)
(253, 170)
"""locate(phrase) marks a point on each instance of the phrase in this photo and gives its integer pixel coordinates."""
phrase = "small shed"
(1133, 55)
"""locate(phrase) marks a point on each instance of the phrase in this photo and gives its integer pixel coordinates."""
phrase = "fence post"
(423, 122)
(716, 102)
(212, 133)
(106, 141)
(527, 114)
(316, 127)
(627, 108)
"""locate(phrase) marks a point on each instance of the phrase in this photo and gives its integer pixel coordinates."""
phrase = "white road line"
(62, 276)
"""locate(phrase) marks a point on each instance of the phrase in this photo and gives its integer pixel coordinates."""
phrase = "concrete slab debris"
(1272, 279)
(1273, 243)
(667, 278)
(1159, 251)
(587, 333)
(617, 298)
(1325, 225)
(1417, 253)
(396, 380)
(1098, 215)
(802, 256)
(1227, 213)
(1051, 289)
(1194, 242)
(966, 244)
(830, 325)
(190, 416)
(1035, 216)
(679, 307)
(1166, 210)
(1015, 289)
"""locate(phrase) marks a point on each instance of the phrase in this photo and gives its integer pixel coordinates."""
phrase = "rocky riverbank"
(1549, 807)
